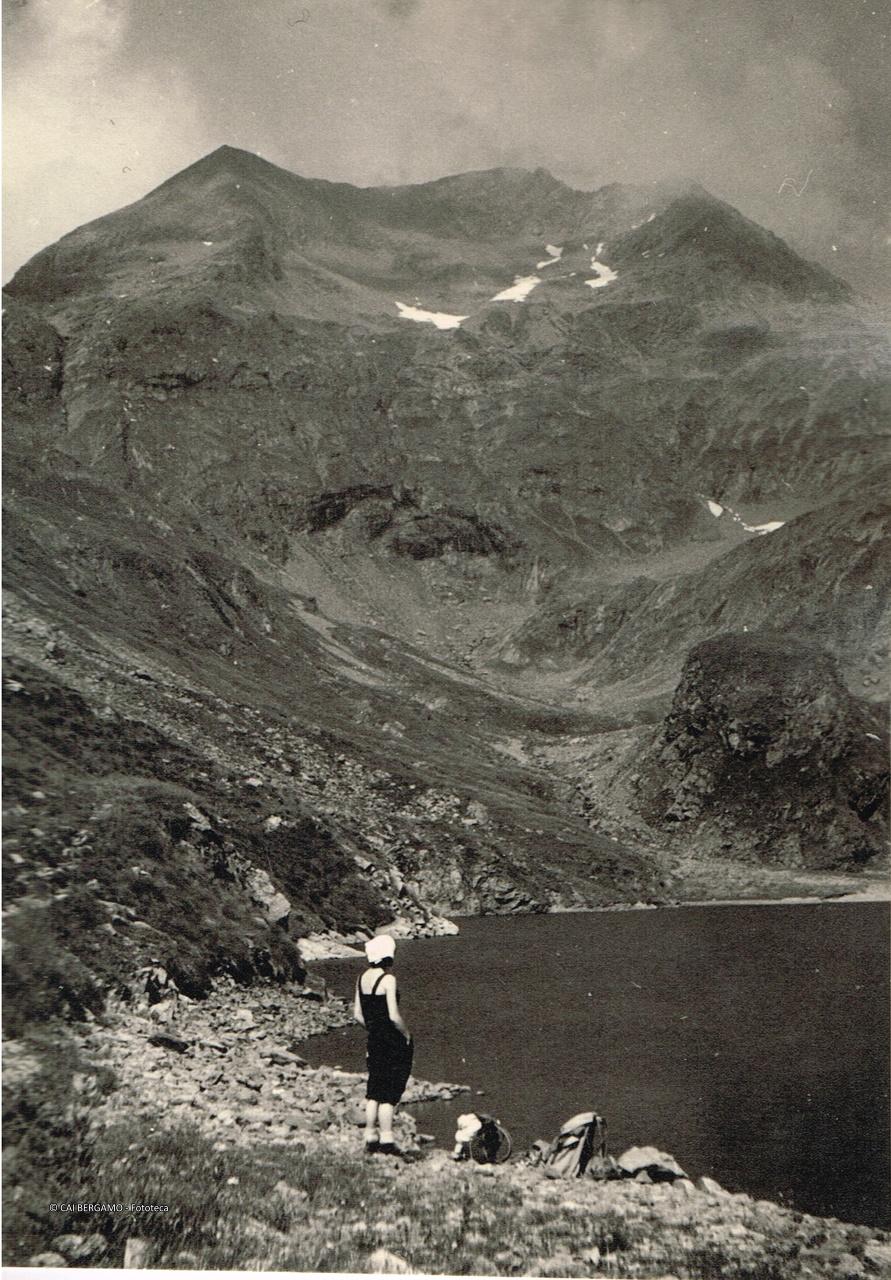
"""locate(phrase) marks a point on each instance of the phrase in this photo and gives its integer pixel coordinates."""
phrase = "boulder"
(166, 1040)
(80, 1248)
(293, 1196)
(659, 1166)
(383, 1262)
(263, 1117)
(208, 1042)
(400, 927)
(440, 927)
(711, 1188)
(136, 1253)
(879, 1255)
(275, 906)
(281, 1057)
(320, 947)
(199, 820)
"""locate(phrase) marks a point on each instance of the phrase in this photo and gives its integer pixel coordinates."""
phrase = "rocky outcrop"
(766, 756)
(275, 906)
(33, 359)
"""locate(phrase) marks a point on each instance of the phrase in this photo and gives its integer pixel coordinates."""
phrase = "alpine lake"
(751, 1042)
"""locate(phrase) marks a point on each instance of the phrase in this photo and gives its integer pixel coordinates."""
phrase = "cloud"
(83, 134)
(401, 8)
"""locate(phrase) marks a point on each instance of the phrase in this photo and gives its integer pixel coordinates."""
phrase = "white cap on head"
(380, 947)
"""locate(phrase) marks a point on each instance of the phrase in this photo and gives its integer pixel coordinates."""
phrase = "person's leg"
(371, 1118)
(385, 1111)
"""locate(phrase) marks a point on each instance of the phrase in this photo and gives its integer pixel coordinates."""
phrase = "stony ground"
(232, 1065)
(259, 1160)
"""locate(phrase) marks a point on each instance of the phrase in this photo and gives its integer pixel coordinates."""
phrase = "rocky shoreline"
(227, 1072)
(232, 1064)
(331, 945)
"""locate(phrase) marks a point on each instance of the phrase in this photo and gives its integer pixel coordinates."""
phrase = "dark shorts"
(389, 1066)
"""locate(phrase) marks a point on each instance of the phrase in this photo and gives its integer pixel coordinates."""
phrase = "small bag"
(537, 1153)
(604, 1169)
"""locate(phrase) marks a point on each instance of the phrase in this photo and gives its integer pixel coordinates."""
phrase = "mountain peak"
(697, 225)
(498, 178)
(224, 160)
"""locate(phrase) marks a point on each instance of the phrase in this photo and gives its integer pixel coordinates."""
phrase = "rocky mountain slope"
(836, 560)
(335, 517)
(225, 343)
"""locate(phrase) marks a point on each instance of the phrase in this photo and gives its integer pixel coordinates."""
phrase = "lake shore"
(672, 1024)
(875, 892)
(336, 946)
(260, 1160)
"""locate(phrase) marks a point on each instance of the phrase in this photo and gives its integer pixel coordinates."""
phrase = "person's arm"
(357, 1007)
(389, 986)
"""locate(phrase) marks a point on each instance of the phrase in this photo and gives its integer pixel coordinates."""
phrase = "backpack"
(484, 1139)
(492, 1144)
(579, 1139)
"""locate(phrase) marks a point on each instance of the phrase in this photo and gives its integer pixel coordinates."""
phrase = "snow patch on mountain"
(604, 274)
(519, 290)
(556, 252)
(441, 319)
(770, 527)
(717, 510)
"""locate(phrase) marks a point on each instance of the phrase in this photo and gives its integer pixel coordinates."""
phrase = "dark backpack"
(569, 1155)
(492, 1144)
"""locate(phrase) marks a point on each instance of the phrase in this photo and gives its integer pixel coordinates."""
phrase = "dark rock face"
(32, 359)
(765, 755)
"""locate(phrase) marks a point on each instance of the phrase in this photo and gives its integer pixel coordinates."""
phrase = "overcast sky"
(779, 106)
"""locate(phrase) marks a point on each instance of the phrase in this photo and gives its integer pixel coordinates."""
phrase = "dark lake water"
(751, 1042)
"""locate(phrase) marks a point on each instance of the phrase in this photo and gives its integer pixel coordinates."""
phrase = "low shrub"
(42, 979)
(49, 1140)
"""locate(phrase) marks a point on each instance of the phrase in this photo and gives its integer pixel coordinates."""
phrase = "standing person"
(390, 1047)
